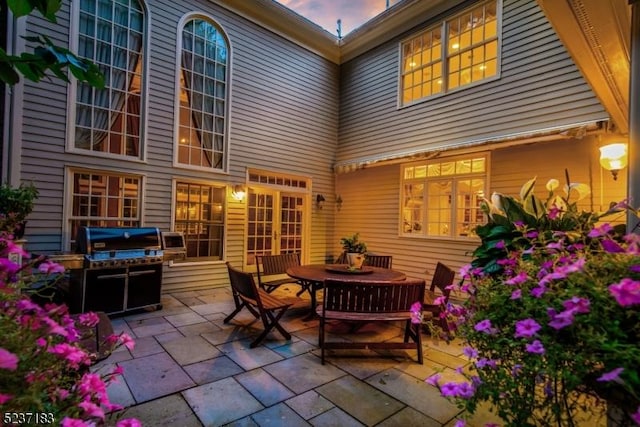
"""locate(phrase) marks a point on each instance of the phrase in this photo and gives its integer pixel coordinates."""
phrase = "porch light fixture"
(319, 201)
(613, 157)
(238, 192)
(338, 202)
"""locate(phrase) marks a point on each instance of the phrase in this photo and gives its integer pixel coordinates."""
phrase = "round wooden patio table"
(312, 276)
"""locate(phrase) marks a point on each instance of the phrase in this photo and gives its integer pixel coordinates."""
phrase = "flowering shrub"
(44, 372)
(553, 314)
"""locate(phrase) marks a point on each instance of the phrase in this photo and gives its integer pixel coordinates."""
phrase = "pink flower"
(611, 375)
(74, 422)
(49, 267)
(73, 355)
(4, 398)
(517, 294)
(433, 380)
(535, 347)
(91, 409)
(129, 422)
(89, 319)
(636, 416)
(449, 389)
(416, 315)
(470, 352)
(484, 326)
(560, 320)
(92, 384)
(460, 423)
(577, 305)
(517, 280)
(626, 292)
(611, 246)
(601, 230)
(526, 328)
(8, 360)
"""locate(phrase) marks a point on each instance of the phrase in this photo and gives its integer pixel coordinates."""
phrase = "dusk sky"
(326, 13)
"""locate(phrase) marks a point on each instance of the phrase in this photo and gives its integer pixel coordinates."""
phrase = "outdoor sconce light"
(613, 157)
(319, 201)
(338, 202)
(238, 192)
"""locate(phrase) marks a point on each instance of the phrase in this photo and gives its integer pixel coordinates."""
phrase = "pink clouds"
(327, 12)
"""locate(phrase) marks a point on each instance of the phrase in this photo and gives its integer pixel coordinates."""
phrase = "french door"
(275, 223)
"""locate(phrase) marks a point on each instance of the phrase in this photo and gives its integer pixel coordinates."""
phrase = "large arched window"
(108, 120)
(203, 95)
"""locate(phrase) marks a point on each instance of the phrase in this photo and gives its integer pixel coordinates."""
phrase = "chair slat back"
(243, 285)
(269, 265)
(442, 279)
(342, 259)
(372, 296)
(383, 261)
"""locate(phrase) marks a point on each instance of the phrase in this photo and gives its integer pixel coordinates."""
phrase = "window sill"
(191, 263)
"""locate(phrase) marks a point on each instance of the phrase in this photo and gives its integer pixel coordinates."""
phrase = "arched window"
(203, 96)
(108, 120)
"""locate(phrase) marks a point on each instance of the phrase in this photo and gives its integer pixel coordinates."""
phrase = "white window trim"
(72, 89)
(67, 203)
(454, 157)
(176, 107)
(228, 190)
(445, 70)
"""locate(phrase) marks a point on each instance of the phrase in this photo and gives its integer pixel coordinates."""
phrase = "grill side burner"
(122, 270)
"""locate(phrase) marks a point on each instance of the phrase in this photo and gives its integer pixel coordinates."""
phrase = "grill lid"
(100, 239)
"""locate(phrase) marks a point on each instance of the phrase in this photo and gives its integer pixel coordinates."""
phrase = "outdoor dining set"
(374, 292)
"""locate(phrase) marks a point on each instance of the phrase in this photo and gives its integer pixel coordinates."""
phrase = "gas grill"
(122, 269)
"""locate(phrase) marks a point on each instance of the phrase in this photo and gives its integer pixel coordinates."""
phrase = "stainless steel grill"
(122, 269)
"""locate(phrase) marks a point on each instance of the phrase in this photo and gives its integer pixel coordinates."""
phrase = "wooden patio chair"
(262, 305)
(442, 279)
(272, 270)
(383, 261)
(371, 301)
(342, 259)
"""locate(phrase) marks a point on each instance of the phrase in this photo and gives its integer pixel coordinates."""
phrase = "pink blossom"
(601, 230)
(73, 355)
(416, 318)
(8, 360)
(560, 320)
(484, 326)
(91, 409)
(129, 422)
(440, 300)
(460, 423)
(626, 292)
(526, 328)
(49, 267)
(577, 305)
(553, 212)
(4, 398)
(535, 347)
(92, 384)
(449, 389)
(613, 375)
(13, 248)
(500, 244)
(470, 352)
(611, 246)
(636, 416)
(74, 422)
(89, 319)
(517, 294)
(538, 291)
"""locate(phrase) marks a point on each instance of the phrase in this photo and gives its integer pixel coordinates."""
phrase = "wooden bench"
(371, 301)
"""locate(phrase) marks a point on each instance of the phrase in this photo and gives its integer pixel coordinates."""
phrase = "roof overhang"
(597, 35)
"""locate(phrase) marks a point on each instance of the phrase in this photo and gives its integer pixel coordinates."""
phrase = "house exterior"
(402, 127)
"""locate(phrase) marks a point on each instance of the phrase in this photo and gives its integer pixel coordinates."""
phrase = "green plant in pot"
(354, 249)
(16, 203)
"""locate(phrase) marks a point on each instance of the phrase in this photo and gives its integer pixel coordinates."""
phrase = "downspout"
(13, 104)
(633, 172)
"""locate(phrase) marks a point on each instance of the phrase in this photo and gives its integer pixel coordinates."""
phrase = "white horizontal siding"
(539, 88)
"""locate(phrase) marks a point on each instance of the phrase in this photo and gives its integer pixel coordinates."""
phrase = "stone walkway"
(190, 369)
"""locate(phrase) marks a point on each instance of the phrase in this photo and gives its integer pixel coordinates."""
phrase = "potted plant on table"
(552, 316)
(16, 203)
(354, 250)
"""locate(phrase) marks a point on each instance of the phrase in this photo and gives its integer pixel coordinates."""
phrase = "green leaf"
(7, 74)
(20, 8)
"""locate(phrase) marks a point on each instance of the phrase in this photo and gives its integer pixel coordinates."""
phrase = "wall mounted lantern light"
(338, 202)
(319, 201)
(613, 157)
(238, 192)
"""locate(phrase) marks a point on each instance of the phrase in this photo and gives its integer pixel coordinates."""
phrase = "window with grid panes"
(108, 120)
(101, 199)
(455, 53)
(200, 216)
(203, 95)
(442, 198)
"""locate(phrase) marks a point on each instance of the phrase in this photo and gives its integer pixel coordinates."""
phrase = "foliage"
(352, 244)
(15, 205)
(46, 55)
(43, 369)
(553, 314)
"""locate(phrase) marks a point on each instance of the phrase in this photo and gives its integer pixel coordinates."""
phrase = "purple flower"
(532, 234)
(460, 423)
(49, 267)
(526, 328)
(601, 231)
(8, 360)
(577, 305)
(484, 326)
(517, 280)
(449, 389)
(636, 416)
(416, 312)
(484, 362)
(470, 352)
(517, 294)
(433, 380)
(535, 347)
(538, 291)
(626, 292)
(612, 247)
(611, 375)
(561, 320)
(635, 268)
